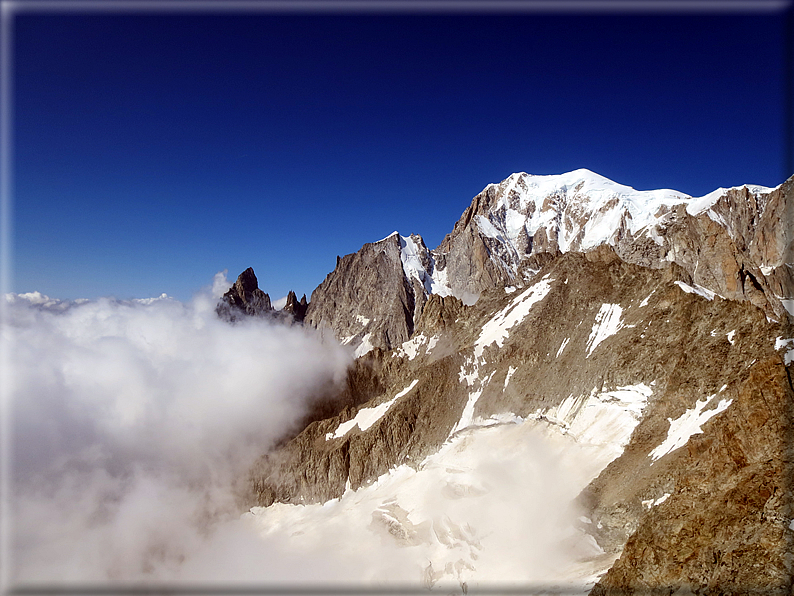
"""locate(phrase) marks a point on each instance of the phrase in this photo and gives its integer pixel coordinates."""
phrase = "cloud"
(136, 421)
(132, 421)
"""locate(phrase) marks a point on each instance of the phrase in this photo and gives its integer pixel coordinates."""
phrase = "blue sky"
(153, 150)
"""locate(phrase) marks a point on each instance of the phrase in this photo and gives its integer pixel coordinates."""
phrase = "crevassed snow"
(562, 346)
(485, 509)
(498, 328)
(688, 424)
(583, 209)
(576, 193)
(607, 322)
(366, 417)
(699, 290)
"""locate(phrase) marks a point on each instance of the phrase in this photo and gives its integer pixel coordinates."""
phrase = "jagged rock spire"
(295, 308)
(244, 297)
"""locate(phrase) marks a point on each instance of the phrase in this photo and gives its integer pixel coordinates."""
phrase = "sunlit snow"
(651, 503)
(366, 417)
(603, 417)
(510, 372)
(688, 424)
(498, 328)
(487, 510)
(607, 323)
(696, 289)
(365, 346)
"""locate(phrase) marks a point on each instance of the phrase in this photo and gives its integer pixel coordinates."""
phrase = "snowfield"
(483, 511)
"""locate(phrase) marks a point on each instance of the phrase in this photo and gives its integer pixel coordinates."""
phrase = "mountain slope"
(638, 360)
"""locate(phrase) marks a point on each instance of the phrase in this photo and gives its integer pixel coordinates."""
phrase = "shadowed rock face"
(295, 308)
(244, 298)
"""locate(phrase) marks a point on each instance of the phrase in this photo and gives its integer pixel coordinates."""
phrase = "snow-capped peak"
(579, 209)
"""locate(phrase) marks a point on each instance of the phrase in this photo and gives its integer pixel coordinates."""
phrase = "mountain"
(733, 242)
(589, 382)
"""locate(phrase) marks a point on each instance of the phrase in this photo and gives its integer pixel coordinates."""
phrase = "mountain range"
(609, 367)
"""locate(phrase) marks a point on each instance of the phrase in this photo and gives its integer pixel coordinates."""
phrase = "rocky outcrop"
(295, 308)
(724, 527)
(367, 301)
(244, 298)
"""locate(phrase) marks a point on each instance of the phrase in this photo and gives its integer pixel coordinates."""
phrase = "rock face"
(372, 297)
(659, 337)
(244, 298)
(295, 308)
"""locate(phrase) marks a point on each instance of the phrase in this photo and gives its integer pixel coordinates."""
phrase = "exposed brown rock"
(244, 298)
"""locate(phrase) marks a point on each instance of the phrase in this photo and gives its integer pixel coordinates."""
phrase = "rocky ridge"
(733, 242)
(666, 348)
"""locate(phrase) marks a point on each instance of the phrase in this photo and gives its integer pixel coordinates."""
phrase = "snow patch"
(366, 417)
(604, 417)
(510, 371)
(562, 346)
(607, 323)
(411, 347)
(498, 328)
(363, 320)
(696, 289)
(781, 343)
(365, 346)
(730, 336)
(651, 503)
(688, 424)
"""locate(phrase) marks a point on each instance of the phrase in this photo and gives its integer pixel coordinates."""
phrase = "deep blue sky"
(152, 151)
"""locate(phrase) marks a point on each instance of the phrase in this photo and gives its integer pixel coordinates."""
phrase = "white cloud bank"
(131, 423)
(134, 420)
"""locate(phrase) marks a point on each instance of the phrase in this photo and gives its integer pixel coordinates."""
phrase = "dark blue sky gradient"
(152, 151)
